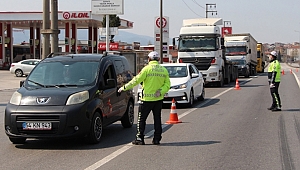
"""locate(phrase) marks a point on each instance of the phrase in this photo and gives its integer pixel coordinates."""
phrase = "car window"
(26, 62)
(109, 74)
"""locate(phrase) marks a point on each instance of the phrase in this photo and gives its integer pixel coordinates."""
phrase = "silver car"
(23, 67)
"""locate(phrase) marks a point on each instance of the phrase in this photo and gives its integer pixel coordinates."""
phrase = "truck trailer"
(261, 58)
(200, 43)
(242, 48)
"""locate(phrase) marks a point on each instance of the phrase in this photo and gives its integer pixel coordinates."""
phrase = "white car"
(187, 84)
(23, 67)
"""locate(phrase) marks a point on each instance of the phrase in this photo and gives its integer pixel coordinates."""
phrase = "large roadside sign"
(108, 7)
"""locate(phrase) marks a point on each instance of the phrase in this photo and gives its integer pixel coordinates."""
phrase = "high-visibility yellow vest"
(154, 77)
(274, 71)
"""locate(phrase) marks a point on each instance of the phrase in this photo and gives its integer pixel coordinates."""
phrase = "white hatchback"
(187, 84)
(23, 67)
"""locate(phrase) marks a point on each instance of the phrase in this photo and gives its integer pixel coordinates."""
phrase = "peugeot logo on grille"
(197, 60)
(43, 100)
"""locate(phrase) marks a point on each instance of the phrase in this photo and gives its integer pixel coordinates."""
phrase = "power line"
(191, 9)
(198, 4)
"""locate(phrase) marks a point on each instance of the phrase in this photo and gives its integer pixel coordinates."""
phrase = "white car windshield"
(177, 71)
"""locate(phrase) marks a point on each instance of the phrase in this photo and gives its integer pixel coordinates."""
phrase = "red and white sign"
(226, 30)
(76, 15)
(112, 46)
(164, 22)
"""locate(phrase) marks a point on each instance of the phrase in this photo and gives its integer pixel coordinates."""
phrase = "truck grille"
(202, 63)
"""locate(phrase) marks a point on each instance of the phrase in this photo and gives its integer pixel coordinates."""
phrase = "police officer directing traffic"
(274, 72)
(155, 83)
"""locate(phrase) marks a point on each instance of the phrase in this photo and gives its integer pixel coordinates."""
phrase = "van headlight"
(16, 98)
(78, 98)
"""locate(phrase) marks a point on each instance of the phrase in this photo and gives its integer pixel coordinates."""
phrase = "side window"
(109, 74)
(119, 67)
(26, 62)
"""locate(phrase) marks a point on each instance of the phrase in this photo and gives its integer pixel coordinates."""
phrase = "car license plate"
(37, 126)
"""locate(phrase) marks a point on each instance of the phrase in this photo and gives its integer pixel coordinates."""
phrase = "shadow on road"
(190, 143)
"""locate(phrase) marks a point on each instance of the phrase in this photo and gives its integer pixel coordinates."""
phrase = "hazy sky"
(268, 21)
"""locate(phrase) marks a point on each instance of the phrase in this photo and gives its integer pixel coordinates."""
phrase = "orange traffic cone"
(291, 71)
(237, 86)
(296, 69)
(173, 114)
(282, 72)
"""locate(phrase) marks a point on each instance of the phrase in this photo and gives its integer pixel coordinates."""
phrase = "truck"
(242, 49)
(261, 58)
(200, 42)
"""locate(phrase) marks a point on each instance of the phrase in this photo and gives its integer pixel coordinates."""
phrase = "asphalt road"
(230, 129)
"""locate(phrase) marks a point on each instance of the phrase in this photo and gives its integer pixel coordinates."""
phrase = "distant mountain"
(123, 36)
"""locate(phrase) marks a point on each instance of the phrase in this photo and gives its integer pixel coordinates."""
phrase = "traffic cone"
(237, 86)
(291, 71)
(296, 69)
(282, 72)
(173, 114)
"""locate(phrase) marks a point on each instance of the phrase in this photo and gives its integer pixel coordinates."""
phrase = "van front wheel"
(128, 117)
(95, 133)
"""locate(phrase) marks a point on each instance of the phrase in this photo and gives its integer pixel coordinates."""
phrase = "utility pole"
(54, 26)
(45, 31)
(210, 9)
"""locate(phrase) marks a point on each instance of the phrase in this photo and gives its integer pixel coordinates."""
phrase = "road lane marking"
(297, 79)
(149, 134)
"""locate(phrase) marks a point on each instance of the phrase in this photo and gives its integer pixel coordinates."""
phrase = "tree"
(114, 21)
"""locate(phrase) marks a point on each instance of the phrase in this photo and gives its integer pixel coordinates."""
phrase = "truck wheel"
(17, 140)
(221, 82)
(128, 117)
(95, 133)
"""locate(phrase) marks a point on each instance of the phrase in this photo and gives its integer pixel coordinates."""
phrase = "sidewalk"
(9, 81)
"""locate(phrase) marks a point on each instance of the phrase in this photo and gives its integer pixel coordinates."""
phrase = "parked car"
(187, 84)
(23, 67)
(73, 95)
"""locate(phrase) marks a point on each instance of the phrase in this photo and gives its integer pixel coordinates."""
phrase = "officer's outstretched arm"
(135, 81)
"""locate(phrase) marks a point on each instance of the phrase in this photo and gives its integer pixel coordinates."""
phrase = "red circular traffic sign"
(164, 22)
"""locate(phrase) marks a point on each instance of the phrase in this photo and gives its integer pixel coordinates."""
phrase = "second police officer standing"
(155, 83)
(274, 72)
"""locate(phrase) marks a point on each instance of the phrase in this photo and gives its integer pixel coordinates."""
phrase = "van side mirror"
(111, 83)
(21, 83)
(249, 51)
(173, 42)
(222, 41)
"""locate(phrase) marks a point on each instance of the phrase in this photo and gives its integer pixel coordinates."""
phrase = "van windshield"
(63, 74)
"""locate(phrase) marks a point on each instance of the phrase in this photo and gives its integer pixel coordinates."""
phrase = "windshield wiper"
(62, 85)
(36, 83)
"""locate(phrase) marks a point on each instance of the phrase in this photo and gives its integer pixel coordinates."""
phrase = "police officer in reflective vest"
(155, 83)
(274, 72)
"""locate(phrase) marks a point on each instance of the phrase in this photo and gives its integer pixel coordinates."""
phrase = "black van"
(71, 95)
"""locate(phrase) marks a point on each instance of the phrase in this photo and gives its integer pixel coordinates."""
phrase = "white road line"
(297, 79)
(149, 134)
